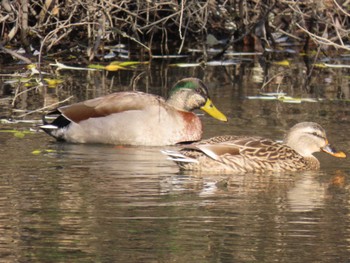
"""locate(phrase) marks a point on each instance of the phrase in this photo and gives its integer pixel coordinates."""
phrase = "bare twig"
(340, 8)
(54, 32)
(46, 107)
(322, 40)
(144, 21)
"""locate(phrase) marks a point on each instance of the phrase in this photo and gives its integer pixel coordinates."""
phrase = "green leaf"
(19, 134)
(96, 66)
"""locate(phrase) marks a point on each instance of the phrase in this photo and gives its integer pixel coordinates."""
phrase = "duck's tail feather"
(58, 121)
(178, 157)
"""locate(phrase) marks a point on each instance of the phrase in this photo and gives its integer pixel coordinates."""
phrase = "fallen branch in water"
(62, 66)
(15, 54)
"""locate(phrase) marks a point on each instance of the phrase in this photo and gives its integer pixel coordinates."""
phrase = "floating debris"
(52, 83)
(241, 54)
(328, 65)
(17, 133)
(62, 66)
(285, 63)
(210, 63)
(37, 152)
(186, 65)
(222, 63)
(169, 56)
(110, 55)
(280, 96)
(113, 66)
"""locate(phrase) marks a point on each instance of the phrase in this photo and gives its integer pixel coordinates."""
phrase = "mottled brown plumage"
(256, 154)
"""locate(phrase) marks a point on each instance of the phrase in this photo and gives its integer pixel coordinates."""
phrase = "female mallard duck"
(135, 118)
(256, 154)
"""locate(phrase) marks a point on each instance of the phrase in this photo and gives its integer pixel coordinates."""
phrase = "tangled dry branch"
(170, 26)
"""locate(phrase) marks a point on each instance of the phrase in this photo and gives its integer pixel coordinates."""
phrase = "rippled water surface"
(100, 203)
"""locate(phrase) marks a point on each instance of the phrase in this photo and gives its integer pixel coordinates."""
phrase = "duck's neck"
(178, 101)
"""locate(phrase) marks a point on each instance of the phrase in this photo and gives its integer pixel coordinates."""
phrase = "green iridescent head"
(194, 84)
(191, 93)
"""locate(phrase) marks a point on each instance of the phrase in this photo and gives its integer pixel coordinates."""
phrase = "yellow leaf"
(50, 151)
(53, 82)
(113, 67)
(30, 84)
(36, 152)
(282, 63)
(30, 66)
(319, 65)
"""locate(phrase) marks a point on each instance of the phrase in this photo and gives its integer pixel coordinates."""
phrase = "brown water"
(102, 203)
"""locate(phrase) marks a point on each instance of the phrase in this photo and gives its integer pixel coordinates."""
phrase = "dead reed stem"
(169, 26)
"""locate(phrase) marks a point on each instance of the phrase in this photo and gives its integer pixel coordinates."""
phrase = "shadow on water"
(100, 203)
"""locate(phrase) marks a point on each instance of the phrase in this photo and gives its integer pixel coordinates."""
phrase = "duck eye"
(199, 91)
(316, 134)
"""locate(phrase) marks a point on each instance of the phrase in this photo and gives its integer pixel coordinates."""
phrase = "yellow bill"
(330, 150)
(213, 111)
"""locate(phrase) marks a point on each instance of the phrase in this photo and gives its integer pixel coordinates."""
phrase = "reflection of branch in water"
(271, 79)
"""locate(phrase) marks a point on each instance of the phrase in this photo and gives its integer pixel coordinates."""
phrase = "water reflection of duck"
(135, 118)
(256, 154)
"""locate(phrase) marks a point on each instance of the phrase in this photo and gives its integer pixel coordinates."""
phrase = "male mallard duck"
(135, 118)
(256, 154)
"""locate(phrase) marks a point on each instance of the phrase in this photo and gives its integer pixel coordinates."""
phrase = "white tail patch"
(49, 127)
(52, 117)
